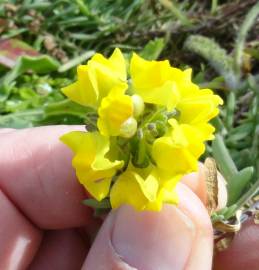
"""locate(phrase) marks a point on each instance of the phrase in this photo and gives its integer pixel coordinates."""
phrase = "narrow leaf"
(223, 158)
(237, 184)
(153, 49)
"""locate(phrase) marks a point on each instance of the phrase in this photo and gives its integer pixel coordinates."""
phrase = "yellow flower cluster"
(150, 129)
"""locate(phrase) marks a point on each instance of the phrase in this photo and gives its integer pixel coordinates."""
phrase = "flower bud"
(138, 105)
(128, 128)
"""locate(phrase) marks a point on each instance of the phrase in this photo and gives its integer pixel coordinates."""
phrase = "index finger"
(37, 176)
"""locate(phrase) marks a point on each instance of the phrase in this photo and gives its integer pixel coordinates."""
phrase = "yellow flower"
(143, 193)
(102, 84)
(159, 83)
(197, 108)
(93, 169)
(116, 115)
(96, 79)
(200, 106)
(152, 81)
(178, 151)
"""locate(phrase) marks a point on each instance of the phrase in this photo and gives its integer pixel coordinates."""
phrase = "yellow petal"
(205, 131)
(93, 169)
(191, 138)
(82, 91)
(143, 193)
(195, 141)
(105, 80)
(115, 64)
(148, 74)
(166, 95)
(170, 196)
(115, 109)
(166, 192)
(97, 78)
(187, 74)
(201, 106)
(178, 137)
(178, 151)
(172, 158)
(151, 81)
(131, 189)
(164, 196)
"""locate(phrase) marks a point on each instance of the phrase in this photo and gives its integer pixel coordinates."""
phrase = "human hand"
(45, 226)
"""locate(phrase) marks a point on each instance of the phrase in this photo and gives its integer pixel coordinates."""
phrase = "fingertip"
(202, 249)
(170, 239)
(196, 182)
(62, 249)
(36, 173)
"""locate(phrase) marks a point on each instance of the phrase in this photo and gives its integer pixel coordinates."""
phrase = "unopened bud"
(152, 129)
(138, 104)
(128, 128)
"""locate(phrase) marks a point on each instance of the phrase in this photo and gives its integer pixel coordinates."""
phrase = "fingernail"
(153, 240)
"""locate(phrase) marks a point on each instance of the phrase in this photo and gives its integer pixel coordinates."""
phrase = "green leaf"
(104, 204)
(153, 49)
(224, 161)
(65, 107)
(20, 119)
(240, 132)
(238, 183)
(41, 64)
(218, 124)
(243, 199)
(214, 6)
(231, 104)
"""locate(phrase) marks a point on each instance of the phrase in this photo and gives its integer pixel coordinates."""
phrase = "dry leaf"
(224, 243)
(12, 49)
(211, 184)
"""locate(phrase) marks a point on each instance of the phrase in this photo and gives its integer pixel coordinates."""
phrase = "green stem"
(248, 22)
(244, 199)
(151, 117)
(176, 12)
(20, 114)
(76, 61)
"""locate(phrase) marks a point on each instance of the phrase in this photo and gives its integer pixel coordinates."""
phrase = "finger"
(175, 238)
(6, 130)
(63, 249)
(197, 183)
(242, 252)
(19, 240)
(37, 175)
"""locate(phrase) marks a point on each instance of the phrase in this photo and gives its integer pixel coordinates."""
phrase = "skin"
(45, 226)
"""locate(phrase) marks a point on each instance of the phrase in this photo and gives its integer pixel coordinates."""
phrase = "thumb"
(179, 237)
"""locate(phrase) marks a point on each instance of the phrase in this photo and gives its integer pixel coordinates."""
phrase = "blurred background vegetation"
(41, 43)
